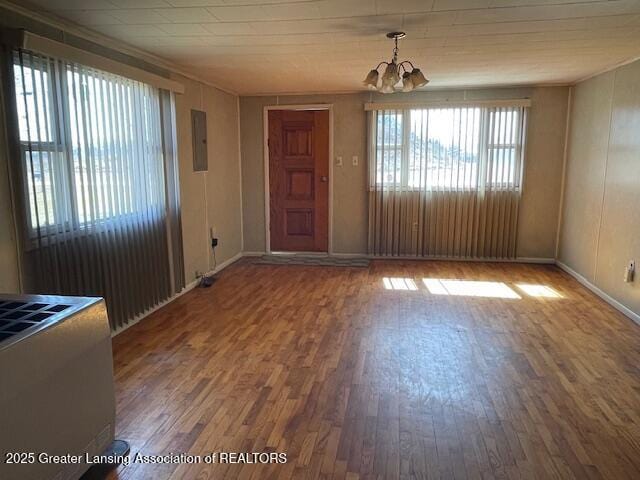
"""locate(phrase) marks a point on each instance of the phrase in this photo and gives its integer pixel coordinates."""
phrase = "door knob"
(323, 178)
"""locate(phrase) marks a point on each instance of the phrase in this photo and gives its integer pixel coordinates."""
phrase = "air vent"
(17, 317)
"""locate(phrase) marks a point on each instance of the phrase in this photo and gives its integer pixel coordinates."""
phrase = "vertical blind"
(96, 185)
(445, 182)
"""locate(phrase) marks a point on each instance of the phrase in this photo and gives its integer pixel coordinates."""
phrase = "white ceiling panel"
(139, 16)
(289, 46)
(194, 15)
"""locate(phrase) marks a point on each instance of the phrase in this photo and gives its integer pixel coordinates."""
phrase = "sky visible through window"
(444, 148)
(102, 122)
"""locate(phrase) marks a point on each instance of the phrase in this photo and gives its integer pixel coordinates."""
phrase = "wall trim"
(185, 290)
(600, 293)
(240, 175)
(563, 181)
(604, 177)
(253, 254)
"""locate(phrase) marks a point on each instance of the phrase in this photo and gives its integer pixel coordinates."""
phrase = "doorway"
(298, 179)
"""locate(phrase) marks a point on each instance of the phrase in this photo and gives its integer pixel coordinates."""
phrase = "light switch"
(338, 161)
(354, 160)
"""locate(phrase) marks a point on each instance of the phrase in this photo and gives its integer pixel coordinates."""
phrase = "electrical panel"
(199, 132)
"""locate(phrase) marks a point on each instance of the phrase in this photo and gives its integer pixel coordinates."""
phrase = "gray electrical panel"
(199, 132)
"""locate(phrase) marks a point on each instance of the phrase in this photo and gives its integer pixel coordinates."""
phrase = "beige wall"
(545, 145)
(209, 199)
(601, 211)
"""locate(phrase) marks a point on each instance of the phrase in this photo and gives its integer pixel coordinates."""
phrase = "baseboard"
(299, 254)
(600, 293)
(253, 254)
(543, 261)
(535, 260)
(223, 265)
(350, 255)
(190, 286)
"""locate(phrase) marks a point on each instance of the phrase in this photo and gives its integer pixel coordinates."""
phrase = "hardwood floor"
(386, 373)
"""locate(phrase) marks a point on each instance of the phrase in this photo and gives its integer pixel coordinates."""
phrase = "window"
(504, 147)
(450, 149)
(90, 141)
(96, 185)
(390, 144)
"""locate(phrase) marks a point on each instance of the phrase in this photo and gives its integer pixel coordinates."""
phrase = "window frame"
(482, 182)
(59, 97)
(56, 144)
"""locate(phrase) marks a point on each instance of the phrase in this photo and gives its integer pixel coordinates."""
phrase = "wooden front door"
(299, 180)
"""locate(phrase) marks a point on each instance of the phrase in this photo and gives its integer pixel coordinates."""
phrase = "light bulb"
(407, 82)
(372, 79)
(418, 79)
(390, 77)
(387, 89)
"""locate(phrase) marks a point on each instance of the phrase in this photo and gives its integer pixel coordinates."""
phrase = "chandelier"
(411, 77)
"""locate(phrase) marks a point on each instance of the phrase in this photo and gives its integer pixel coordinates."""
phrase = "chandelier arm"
(380, 64)
(404, 68)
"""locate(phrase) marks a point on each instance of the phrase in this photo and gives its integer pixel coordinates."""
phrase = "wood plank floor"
(385, 372)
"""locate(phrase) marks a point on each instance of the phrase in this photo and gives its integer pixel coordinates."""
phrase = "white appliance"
(56, 384)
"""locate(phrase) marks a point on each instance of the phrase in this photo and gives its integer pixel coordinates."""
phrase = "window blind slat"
(95, 191)
(445, 181)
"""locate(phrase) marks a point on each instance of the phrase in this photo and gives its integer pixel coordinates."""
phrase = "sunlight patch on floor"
(397, 283)
(469, 288)
(538, 290)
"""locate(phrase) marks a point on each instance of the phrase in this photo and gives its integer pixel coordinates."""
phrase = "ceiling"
(283, 46)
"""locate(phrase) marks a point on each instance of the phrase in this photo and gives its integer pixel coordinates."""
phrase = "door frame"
(265, 149)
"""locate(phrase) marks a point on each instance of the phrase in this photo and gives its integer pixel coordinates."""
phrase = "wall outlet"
(630, 271)
(354, 160)
(338, 161)
(212, 237)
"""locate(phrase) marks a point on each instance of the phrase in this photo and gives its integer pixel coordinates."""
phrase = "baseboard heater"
(57, 391)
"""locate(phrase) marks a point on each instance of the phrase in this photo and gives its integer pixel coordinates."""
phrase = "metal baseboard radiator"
(57, 393)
